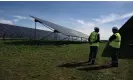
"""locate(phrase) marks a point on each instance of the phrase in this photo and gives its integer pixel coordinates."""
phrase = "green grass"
(40, 62)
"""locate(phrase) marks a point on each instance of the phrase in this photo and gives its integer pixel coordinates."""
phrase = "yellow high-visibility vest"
(116, 42)
(93, 37)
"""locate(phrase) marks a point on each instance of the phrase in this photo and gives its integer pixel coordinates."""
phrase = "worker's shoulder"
(116, 34)
(91, 33)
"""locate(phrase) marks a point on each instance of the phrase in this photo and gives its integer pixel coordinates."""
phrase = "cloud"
(15, 20)
(105, 30)
(126, 15)
(91, 24)
(31, 19)
(81, 22)
(111, 17)
(6, 21)
(18, 18)
(106, 19)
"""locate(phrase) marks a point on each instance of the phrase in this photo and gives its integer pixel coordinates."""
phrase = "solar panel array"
(12, 31)
(18, 32)
(61, 29)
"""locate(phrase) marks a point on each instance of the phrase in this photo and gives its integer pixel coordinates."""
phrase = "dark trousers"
(93, 53)
(114, 55)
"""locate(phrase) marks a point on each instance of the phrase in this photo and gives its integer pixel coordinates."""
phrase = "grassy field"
(57, 62)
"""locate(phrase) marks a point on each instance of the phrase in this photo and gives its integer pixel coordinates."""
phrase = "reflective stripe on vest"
(117, 42)
(93, 37)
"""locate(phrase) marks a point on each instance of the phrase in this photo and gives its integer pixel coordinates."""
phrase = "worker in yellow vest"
(94, 40)
(114, 45)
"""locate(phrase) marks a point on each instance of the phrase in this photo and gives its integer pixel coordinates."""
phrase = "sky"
(80, 16)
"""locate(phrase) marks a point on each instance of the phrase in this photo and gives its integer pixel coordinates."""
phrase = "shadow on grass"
(73, 64)
(94, 67)
(83, 66)
(41, 42)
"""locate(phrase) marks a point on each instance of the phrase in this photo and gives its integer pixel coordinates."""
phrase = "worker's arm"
(112, 38)
(89, 39)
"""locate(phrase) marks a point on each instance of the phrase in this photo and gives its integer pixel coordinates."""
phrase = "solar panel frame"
(61, 29)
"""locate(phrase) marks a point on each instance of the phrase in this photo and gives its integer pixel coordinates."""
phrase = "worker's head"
(114, 29)
(96, 29)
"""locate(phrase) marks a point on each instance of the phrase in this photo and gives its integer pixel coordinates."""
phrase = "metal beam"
(81, 39)
(35, 32)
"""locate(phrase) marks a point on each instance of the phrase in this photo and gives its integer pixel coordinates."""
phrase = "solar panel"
(19, 32)
(61, 29)
(13, 31)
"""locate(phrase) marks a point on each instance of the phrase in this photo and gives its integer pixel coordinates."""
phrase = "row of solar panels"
(12, 31)
(61, 29)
